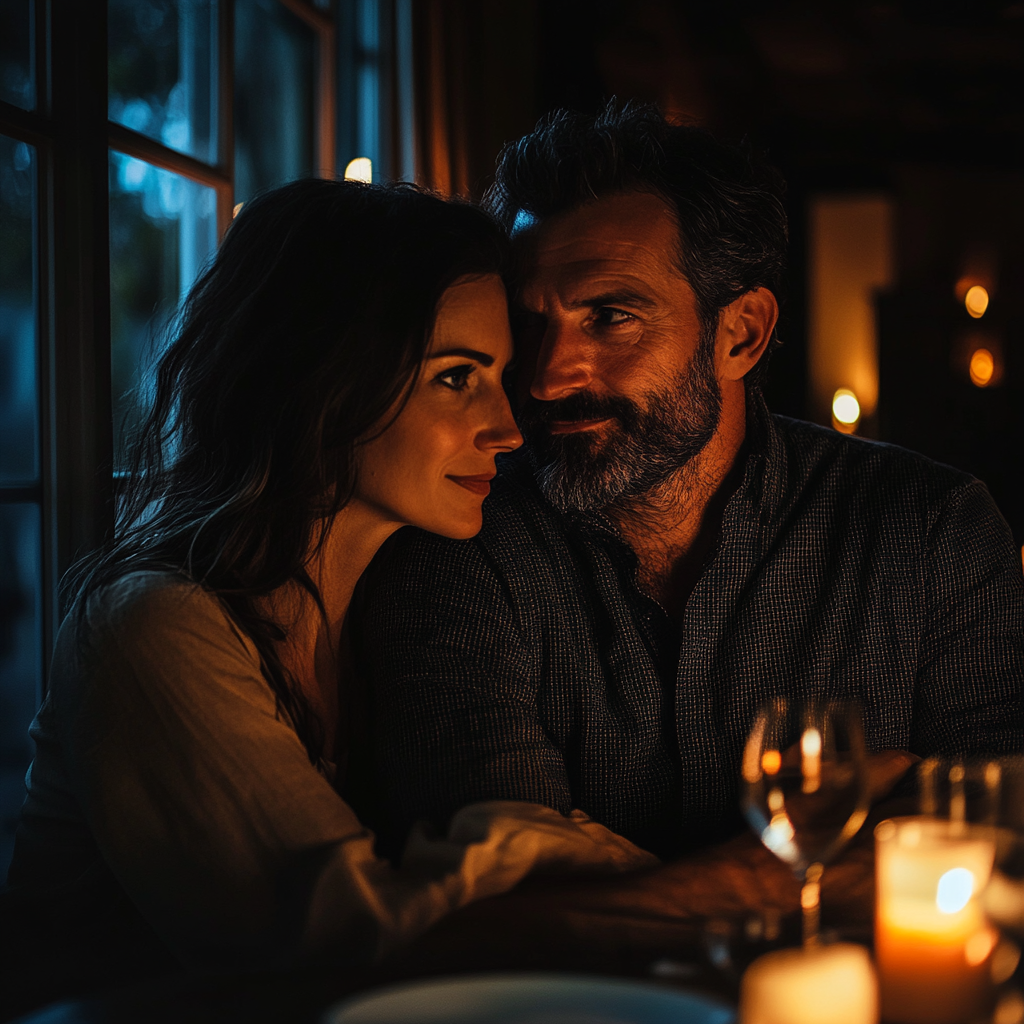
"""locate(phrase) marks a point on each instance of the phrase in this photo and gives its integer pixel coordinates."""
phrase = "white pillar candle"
(933, 943)
(816, 985)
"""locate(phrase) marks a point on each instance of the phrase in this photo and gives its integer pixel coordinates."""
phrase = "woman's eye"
(608, 316)
(456, 378)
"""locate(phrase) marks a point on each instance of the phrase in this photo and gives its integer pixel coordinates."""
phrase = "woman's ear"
(744, 329)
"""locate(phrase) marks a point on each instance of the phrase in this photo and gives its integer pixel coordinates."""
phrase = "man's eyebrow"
(468, 353)
(619, 297)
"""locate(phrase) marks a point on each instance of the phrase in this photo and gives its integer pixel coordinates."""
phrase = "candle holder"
(933, 943)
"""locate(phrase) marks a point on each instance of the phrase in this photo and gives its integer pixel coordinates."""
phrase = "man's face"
(617, 386)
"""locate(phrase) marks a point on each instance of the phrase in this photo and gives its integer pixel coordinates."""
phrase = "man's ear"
(744, 329)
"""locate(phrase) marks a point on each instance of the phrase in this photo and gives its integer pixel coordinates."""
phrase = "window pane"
(17, 83)
(19, 395)
(163, 71)
(273, 97)
(162, 230)
(21, 645)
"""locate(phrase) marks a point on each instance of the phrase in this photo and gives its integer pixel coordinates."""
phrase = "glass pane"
(163, 71)
(17, 78)
(19, 394)
(273, 97)
(163, 228)
(21, 644)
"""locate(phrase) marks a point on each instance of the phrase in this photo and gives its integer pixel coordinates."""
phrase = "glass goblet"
(805, 788)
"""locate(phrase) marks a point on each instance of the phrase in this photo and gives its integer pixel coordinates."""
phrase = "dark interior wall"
(917, 101)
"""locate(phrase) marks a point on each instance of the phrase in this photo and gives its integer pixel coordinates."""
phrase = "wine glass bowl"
(805, 787)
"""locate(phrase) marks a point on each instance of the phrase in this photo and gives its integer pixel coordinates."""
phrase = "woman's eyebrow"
(469, 353)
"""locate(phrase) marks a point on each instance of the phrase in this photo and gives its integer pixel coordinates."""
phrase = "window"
(128, 136)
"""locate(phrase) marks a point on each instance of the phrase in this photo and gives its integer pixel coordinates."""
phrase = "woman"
(336, 374)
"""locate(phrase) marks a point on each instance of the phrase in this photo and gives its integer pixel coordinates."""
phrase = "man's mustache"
(534, 414)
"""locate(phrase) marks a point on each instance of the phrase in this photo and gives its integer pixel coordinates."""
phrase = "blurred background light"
(852, 261)
(976, 301)
(845, 411)
(360, 169)
(983, 367)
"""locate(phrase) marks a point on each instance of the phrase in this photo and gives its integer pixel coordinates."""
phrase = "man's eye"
(456, 378)
(607, 316)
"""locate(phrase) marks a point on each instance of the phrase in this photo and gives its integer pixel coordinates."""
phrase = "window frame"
(72, 137)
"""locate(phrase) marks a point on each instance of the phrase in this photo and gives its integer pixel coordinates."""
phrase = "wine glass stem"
(810, 902)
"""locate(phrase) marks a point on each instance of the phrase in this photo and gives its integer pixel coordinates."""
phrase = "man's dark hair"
(728, 201)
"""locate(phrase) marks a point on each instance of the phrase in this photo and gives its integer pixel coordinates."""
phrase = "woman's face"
(431, 468)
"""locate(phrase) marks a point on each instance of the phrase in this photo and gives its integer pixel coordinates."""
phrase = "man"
(664, 554)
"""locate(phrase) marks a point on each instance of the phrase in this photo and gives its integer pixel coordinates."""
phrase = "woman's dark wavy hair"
(309, 325)
(728, 200)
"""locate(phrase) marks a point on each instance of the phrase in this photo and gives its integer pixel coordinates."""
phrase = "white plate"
(529, 999)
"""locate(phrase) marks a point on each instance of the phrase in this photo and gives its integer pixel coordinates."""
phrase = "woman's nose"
(501, 432)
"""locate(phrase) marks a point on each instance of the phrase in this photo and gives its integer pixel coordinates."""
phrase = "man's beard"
(586, 472)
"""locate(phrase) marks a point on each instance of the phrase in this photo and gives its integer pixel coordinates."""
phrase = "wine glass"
(805, 788)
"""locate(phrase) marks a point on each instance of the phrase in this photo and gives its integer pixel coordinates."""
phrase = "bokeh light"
(976, 301)
(360, 169)
(983, 367)
(845, 410)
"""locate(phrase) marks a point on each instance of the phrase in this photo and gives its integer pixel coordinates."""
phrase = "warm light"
(954, 891)
(976, 301)
(810, 743)
(983, 367)
(845, 409)
(810, 767)
(823, 984)
(1010, 1009)
(237, 210)
(978, 946)
(360, 169)
(771, 761)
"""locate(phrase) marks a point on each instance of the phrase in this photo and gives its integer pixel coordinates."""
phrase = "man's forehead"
(630, 234)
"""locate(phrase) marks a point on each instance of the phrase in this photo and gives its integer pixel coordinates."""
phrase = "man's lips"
(479, 484)
(572, 426)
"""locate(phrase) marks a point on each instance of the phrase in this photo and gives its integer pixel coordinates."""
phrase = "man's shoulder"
(813, 455)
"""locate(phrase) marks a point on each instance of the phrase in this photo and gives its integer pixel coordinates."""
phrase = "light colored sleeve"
(203, 801)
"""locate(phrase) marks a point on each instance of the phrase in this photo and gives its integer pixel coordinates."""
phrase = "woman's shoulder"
(148, 603)
(163, 619)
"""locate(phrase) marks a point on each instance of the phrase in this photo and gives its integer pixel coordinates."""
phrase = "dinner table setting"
(871, 888)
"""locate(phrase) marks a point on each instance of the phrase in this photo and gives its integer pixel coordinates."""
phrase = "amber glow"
(845, 411)
(360, 169)
(983, 367)
(771, 762)
(976, 301)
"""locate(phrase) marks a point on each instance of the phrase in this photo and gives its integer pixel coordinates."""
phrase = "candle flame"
(771, 762)
(954, 891)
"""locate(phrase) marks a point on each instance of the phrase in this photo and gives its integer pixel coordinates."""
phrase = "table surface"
(692, 923)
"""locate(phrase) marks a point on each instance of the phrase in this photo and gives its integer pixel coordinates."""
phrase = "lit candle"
(814, 985)
(933, 944)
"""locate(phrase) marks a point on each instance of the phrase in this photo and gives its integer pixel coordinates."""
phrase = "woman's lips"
(480, 484)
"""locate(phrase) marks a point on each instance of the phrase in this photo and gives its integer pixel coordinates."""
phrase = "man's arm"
(968, 698)
(453, 686)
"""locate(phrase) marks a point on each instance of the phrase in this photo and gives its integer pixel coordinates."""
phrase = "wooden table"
(666, 923)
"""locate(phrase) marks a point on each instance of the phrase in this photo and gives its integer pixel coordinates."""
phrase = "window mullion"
(124, 140)
(225, 113)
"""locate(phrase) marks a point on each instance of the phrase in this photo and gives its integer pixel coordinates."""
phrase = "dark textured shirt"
(527, 664)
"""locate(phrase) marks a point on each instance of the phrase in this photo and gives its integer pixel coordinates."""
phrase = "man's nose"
(564, 365)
